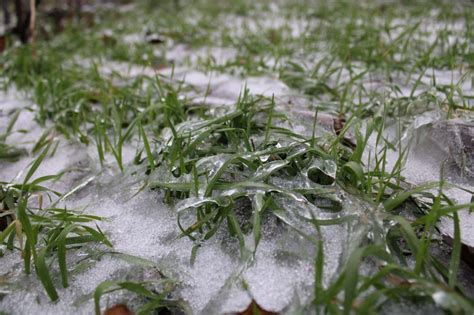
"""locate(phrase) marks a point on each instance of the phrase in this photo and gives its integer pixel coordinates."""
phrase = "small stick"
(31, 30)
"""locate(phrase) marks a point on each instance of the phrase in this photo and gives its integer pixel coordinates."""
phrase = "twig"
(31, 30)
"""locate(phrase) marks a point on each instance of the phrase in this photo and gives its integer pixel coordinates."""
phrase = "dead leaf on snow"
(255, 309)
(119, 309)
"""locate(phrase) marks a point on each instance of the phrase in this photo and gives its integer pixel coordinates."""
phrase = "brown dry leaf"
(339, 123)
(119, 309)
(396, 280)
(255, 309)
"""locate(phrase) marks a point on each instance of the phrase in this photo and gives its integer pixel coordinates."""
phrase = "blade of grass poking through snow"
(118, 151)
(101, 289)
(149, 154)
(43, 274)
(313, 135)
(139, 288)
(61, 247)
(10, 125)
(75, 189)
(455, 253)
(258, 206)
(354, 173)
(99, 139)
(42, 141)
(471, 208)
(36, 163)
(408, 234)
(425, 241)
(237, 231)
(6, 232)
(341, 135)
(196, 181)
(269, 120)
(351, 275)
(31, 235)
(398, 198)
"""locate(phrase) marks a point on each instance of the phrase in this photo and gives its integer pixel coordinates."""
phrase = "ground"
(202, 156)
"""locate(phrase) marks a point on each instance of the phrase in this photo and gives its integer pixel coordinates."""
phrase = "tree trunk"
(6, 13)
(32, 21)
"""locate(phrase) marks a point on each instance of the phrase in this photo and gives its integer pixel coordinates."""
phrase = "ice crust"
(283, 269)
(145, 227)
(281, 274)
(439, 146)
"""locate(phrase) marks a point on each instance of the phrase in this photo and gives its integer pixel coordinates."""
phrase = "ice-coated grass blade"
(146, 144)
(36, 163)
(456, 252)
(43, 274)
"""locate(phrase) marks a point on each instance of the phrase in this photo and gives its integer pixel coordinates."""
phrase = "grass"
(156, 302)
(42, 234)
(229, 168)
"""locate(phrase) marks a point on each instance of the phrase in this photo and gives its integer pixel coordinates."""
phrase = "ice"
(182, 55)
(197, 78)
(273, 280)
(466, 224)
(442, 147)
(139, 223)
(143, 226)
(281, 269)
(446, 143)
(212, 87)
(408, 307)
(29, 297)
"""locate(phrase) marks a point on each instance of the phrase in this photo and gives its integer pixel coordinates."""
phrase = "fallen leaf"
(255, 309)
(339, 123)
(119, 309)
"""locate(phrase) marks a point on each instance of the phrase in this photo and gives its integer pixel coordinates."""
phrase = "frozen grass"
(309, 159)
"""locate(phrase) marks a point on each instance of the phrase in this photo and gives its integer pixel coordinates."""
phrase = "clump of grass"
(156, 301)
(41, 234)
(214, 166)
(231, 168)
(400, 248)
(211, 167)
(9, 152)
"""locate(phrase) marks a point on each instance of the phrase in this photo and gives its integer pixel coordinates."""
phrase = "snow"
(436, 142)
(125, 219)
(283, 268)
(143, 225)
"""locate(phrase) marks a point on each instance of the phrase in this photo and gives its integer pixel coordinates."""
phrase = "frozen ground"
(281, 275)
(284, 263)
(278, 276)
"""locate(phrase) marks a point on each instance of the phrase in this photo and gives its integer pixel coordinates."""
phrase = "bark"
(32, 22)
(26, 19)
(6, 13)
